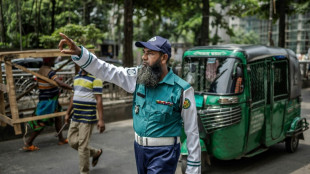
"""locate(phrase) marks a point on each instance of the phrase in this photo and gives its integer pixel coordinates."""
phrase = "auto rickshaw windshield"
(216, 75)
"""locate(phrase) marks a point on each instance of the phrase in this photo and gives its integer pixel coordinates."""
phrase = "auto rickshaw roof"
(252, 52)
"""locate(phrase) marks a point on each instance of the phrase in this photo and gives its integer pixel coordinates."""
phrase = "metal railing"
(25, 81)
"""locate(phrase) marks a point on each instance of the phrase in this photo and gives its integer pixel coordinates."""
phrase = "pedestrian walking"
(87, 98)
(48, 104)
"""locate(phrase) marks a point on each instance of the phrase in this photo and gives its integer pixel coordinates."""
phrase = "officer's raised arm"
(123, 77)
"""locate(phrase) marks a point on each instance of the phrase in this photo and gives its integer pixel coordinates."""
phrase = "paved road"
(118, 155)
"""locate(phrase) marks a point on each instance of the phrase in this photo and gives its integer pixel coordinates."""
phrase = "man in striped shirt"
(87, 96)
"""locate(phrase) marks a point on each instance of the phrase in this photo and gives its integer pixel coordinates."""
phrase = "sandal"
(96, 158)
(63, 142)
(31, 148)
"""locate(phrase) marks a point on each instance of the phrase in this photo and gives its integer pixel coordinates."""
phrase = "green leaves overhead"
(90, 22)
(88, 36)
(243, 37)
(39, 19)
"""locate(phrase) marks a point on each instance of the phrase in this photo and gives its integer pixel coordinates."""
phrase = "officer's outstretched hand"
(73, 49)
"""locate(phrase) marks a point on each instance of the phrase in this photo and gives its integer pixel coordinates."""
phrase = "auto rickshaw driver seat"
(237, 87)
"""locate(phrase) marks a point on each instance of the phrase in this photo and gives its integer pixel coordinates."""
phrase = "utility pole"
(128, 33)
(270, 42)
(205, 23)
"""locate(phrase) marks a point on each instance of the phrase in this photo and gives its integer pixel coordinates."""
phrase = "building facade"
(297, 32)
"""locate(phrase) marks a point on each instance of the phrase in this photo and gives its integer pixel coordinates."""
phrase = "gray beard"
(150, 75)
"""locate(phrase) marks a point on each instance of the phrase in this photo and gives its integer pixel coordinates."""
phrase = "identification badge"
(137, 109)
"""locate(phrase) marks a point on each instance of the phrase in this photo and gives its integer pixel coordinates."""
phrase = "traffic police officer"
(160, 107)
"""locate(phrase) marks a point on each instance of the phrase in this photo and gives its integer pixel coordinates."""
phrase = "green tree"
(243, 37)
(88, 36)
(42, 17)
(301, 6)
(260, 8)
(155, 18)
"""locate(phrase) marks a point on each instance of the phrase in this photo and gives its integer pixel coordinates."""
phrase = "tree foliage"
(301, 6)
(37, 20)
(89, 36)
(90, 22)
(243, 37)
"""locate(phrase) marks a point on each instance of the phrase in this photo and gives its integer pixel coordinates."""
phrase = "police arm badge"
(186, 103)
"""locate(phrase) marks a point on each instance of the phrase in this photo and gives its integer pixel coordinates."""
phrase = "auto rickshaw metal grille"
(215, 118)
(257, 81)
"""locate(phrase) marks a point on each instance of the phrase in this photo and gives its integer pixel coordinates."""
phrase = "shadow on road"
(274, 161)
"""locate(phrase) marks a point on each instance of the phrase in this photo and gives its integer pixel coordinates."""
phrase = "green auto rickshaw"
(248, 98)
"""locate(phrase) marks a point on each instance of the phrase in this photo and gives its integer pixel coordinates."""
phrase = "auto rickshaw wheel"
(291, 144)
(204, 163)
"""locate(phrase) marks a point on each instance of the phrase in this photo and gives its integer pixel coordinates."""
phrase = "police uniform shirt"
(157, 112)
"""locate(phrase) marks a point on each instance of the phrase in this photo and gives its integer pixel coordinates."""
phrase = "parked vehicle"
(31, 63)
(69, 67)
(115, 62)
(248, 98)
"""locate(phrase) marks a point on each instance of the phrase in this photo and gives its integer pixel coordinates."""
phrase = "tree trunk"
(31, 18)
(53, 16)
(119, 31)
(39, 18)
(270, 23)
(36, 26)
(205, 23)
(128, 33)
(2, 27)
(282, 25)
(86, 12)
(19, 23)
(216, 36)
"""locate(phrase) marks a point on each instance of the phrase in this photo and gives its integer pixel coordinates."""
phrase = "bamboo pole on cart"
(39, 117)
(35, 74)
(12, 96)
(35, 85)
(6, 57)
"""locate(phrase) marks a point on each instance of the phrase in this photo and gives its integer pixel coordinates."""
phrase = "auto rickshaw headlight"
(228, 100)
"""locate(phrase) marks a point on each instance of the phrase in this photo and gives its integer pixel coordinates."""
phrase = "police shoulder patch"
(131, 71)
(187, 103)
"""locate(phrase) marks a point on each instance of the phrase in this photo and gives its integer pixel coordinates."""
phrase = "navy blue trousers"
(158, 159)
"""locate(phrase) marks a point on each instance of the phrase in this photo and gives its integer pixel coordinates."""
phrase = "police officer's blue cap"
(156, 43)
